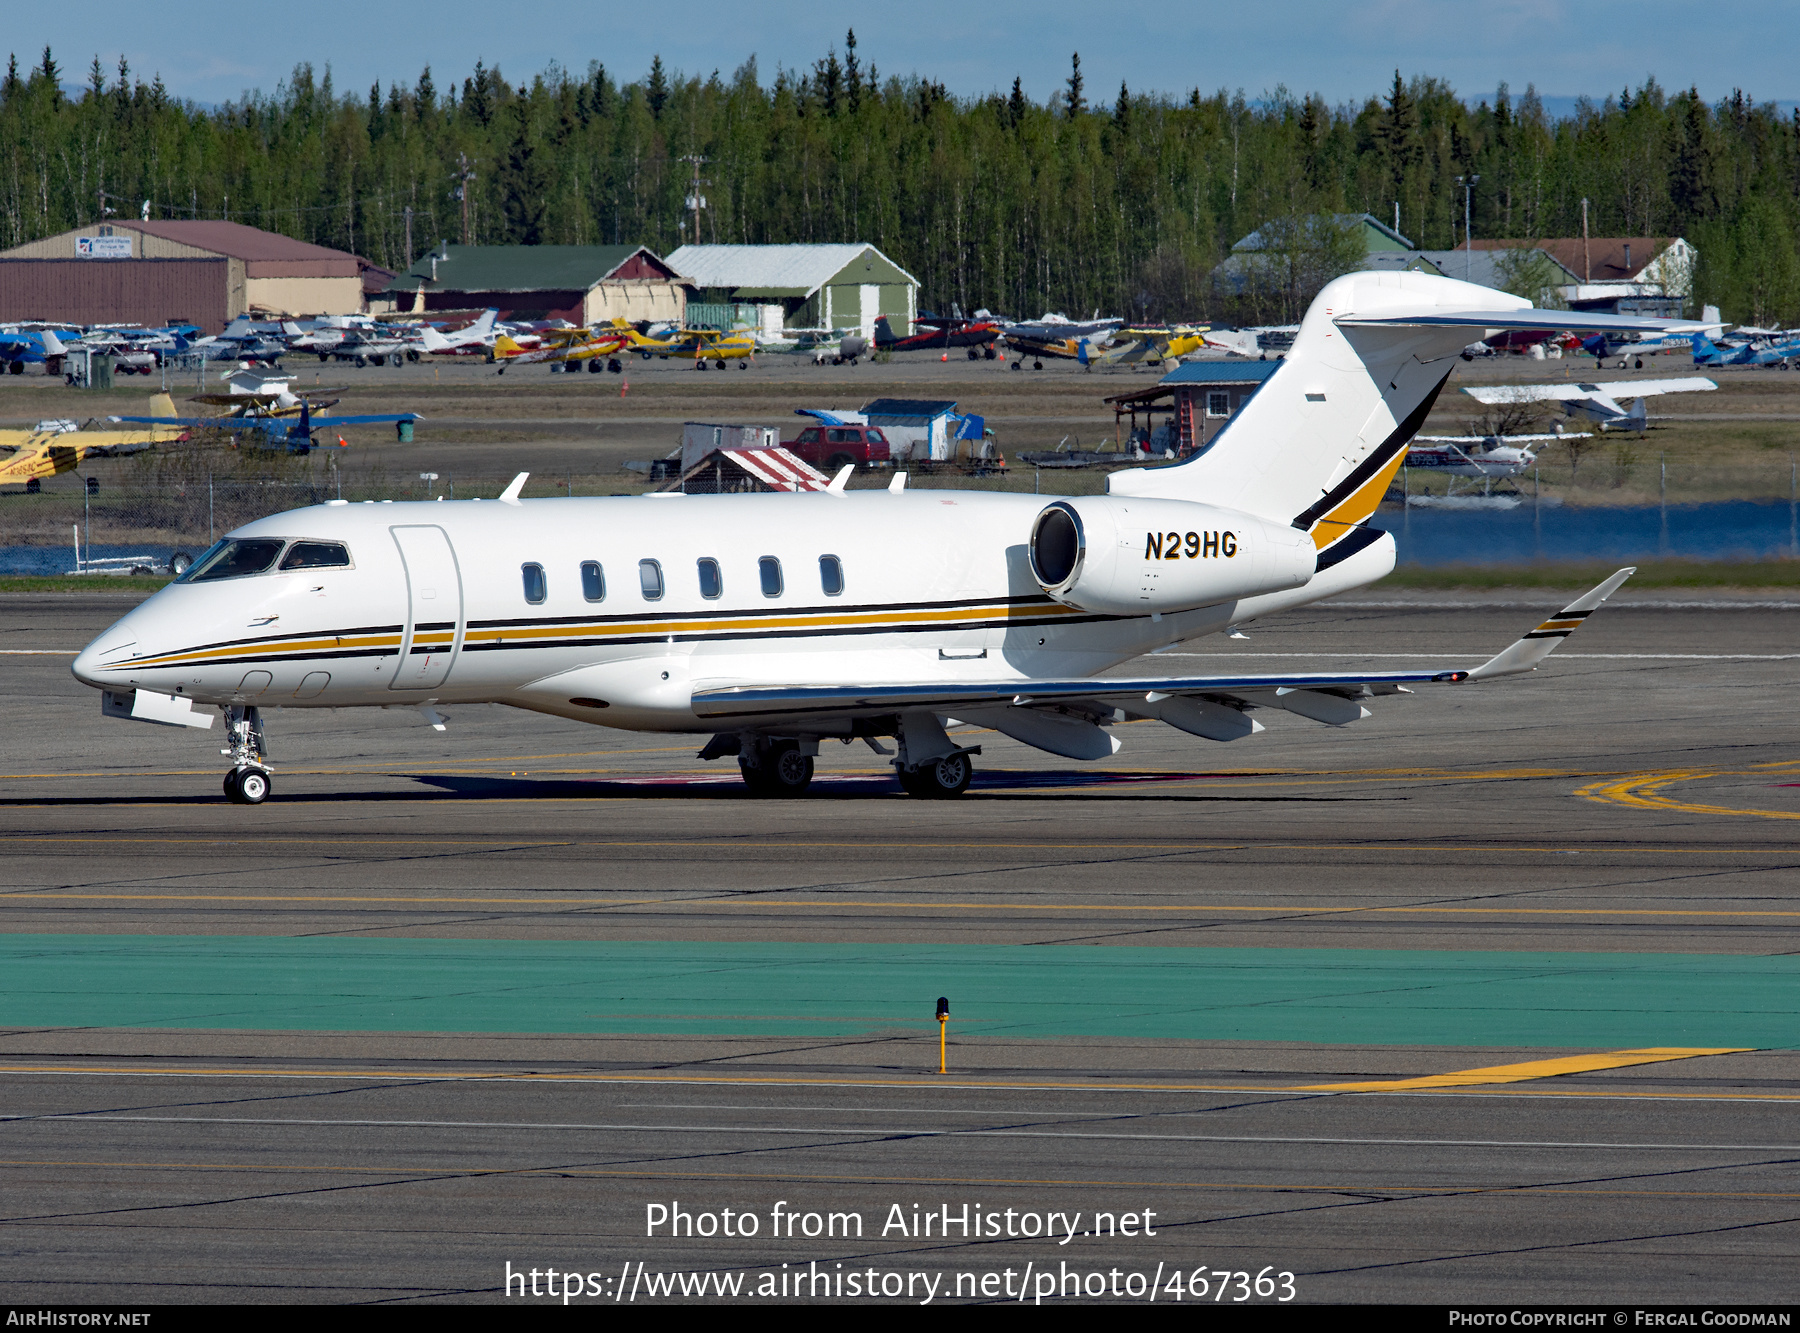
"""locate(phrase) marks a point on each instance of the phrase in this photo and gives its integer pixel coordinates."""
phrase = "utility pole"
(1587, 263)
(465, 175)
(695, 201)
(1468, 188)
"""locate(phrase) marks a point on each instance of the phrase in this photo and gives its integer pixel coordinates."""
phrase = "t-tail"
(1320, 442)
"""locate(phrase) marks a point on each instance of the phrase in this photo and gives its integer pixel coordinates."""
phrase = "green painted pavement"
(1380, 997)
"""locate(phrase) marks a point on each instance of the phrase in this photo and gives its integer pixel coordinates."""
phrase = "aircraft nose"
(114, 645)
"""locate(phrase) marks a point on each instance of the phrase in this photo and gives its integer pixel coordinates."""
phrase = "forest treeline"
(1085, 200)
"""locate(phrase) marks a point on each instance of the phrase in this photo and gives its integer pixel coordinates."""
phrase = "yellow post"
(943, 1018)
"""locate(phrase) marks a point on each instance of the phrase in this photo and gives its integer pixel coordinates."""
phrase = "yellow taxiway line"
(1534, 1069)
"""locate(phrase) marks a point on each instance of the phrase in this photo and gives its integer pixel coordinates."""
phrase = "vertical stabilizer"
(1319, 443)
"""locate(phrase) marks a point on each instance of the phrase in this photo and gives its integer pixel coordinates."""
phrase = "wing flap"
(1201, 705)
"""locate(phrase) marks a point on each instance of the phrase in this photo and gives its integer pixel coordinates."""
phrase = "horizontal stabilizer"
(1568, 321)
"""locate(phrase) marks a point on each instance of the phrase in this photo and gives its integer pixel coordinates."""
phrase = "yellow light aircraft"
(1131, 347)
(697, 345)
(564, 346)
(49, 449)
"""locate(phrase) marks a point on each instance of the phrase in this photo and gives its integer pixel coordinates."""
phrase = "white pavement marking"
(911, 1131)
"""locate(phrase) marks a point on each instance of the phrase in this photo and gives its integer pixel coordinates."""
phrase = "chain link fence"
(146, 508)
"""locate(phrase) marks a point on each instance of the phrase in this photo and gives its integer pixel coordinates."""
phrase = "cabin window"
(831, 575)
(593, 581)
(650, 579)
(316, 555)
(1218, 404)
(712, 583)
(235, 560)
(770, 569)
(536, 587)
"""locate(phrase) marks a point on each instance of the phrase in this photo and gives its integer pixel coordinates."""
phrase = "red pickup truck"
(830, 448)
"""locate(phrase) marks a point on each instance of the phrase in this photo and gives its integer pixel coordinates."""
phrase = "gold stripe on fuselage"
(750, 624)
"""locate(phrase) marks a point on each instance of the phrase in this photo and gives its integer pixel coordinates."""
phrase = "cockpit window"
(235, 559)
(316, 555)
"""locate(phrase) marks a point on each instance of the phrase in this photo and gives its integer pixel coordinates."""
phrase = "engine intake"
(1115, 555)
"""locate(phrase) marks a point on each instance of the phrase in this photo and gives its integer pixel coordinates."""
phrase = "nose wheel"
(248, 782)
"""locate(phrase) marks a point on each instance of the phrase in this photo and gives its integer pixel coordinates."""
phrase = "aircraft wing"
(1212, 706)
(1570, 392)
(384, 418)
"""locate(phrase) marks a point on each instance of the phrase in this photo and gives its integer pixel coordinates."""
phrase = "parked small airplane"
(1479, 455)
(273, 415)
(1596, 402)
(938, 333)
(471, 340)
(1054, 336)
(1142, 346)
(1777, 351)
(567, 348)
(53, 447)
(21, 347)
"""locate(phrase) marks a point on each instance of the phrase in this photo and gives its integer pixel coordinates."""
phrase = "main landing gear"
(937, 778)
(776, 769)
(248, 782)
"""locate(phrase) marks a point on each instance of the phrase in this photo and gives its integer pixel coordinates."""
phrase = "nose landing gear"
(248, 782)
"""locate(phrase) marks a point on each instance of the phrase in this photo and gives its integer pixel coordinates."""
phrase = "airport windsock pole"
(943, 1018)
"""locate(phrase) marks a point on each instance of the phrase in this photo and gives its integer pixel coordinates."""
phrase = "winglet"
(1528, 652)
(837, 483)
(510, 495)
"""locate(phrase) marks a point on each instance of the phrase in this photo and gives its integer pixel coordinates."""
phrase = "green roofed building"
(777, 287)
(584, 284)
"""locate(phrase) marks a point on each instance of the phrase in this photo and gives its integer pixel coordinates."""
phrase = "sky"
(1345, 51)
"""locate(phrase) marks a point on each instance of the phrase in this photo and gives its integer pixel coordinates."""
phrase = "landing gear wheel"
(974, 354)
(247, 786)
(939, 778)
(1037, 365)
(987, 354)
(719, 364)
(781, 771)
(613, 367)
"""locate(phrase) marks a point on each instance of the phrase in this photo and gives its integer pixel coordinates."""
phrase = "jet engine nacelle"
(1122, 556)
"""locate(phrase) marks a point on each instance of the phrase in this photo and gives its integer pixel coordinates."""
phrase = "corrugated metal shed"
(142, 291)
(776, 270)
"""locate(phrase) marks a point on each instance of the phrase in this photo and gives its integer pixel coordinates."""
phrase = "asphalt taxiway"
(453, 1001)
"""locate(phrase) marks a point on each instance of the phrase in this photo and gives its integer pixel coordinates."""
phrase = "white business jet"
(773, 622)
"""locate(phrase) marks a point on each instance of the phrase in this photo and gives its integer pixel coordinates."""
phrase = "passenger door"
(434, 608)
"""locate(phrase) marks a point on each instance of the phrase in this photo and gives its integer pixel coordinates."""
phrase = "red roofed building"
(209, 272)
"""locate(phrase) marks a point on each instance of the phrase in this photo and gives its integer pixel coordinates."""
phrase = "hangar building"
(131, 272)
(776, 287)
(584, 284)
